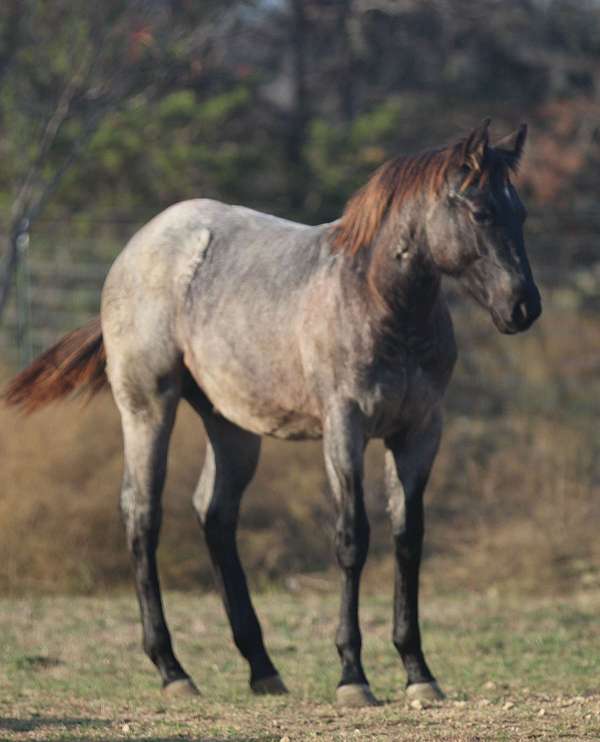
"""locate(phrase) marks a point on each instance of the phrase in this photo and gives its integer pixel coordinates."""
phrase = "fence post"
(23, 296)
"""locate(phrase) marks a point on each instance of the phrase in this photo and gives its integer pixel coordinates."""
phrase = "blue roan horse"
(267, 327)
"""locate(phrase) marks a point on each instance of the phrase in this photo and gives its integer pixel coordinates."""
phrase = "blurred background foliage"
(111, 111)
(283, 104)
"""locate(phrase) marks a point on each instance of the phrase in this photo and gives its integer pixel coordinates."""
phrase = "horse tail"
(77, 362)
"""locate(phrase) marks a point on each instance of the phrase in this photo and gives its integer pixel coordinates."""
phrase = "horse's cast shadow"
(38, 723)
(34, 723)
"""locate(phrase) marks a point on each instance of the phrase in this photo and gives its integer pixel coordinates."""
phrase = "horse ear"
(476, 145)
(511, 147)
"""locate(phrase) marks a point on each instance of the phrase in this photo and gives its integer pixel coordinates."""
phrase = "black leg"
(352, 543)
(408, 463)
(343, 448)
(147, 429)
(408, 544)
(231, 458)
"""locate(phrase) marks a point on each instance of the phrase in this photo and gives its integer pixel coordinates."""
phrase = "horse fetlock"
(248, 639)
(160, 651)
(405, 641)
(348, 642)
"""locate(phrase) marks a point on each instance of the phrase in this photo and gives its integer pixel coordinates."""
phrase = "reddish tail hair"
(77, 362)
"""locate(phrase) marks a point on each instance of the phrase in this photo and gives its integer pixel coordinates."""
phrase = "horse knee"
(408, 545)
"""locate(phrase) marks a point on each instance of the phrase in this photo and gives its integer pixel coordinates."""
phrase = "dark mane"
(395, 182)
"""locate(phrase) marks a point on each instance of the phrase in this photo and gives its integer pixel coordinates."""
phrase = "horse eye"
(482, 217)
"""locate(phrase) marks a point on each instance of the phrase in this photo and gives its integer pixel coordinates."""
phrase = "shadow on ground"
(37, 723)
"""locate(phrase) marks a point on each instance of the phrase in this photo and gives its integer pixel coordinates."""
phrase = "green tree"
(65, 67)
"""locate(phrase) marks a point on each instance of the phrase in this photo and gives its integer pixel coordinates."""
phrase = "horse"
(267, 327)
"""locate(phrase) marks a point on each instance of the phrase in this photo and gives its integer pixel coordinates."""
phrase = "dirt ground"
(513, 668)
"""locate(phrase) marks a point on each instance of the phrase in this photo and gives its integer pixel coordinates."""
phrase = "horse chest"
(399, 399)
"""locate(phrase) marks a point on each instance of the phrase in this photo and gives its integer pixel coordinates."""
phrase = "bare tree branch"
(103, 81)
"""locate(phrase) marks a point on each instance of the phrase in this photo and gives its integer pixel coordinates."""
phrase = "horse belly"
(273, 404)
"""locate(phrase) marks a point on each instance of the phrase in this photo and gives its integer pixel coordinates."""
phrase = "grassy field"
(513, 668)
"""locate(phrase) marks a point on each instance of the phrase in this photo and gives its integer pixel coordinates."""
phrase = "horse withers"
(268, 327)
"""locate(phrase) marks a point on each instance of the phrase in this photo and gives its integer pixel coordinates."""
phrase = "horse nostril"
(523, 310)
(519, 314)
(526, 312)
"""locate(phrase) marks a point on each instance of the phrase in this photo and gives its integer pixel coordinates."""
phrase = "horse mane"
(391, 186)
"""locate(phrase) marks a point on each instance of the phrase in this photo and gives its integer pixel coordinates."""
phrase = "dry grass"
(513, 502)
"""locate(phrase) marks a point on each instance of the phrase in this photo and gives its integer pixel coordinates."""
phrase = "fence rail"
(50, 299)
(62, 270)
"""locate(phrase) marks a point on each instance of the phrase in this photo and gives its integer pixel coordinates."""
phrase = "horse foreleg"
(343, 444)
(408, 462)
(231, 459)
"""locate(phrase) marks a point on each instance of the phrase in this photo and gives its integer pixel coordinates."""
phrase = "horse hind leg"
(231, 459)
(147, 406)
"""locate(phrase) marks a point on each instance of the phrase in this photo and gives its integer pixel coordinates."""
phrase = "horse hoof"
(354, 695)
(273, 686)
(181, 688)
(425, 692)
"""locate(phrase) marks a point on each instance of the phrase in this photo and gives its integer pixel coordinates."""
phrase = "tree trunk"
(299, 115)
(11, 261)
(347, 67)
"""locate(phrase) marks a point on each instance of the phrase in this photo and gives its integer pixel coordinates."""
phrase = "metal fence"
(58, 282)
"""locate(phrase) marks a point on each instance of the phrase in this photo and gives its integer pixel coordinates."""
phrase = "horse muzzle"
(522, 313)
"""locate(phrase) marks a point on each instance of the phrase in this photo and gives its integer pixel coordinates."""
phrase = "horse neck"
(405, 295)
